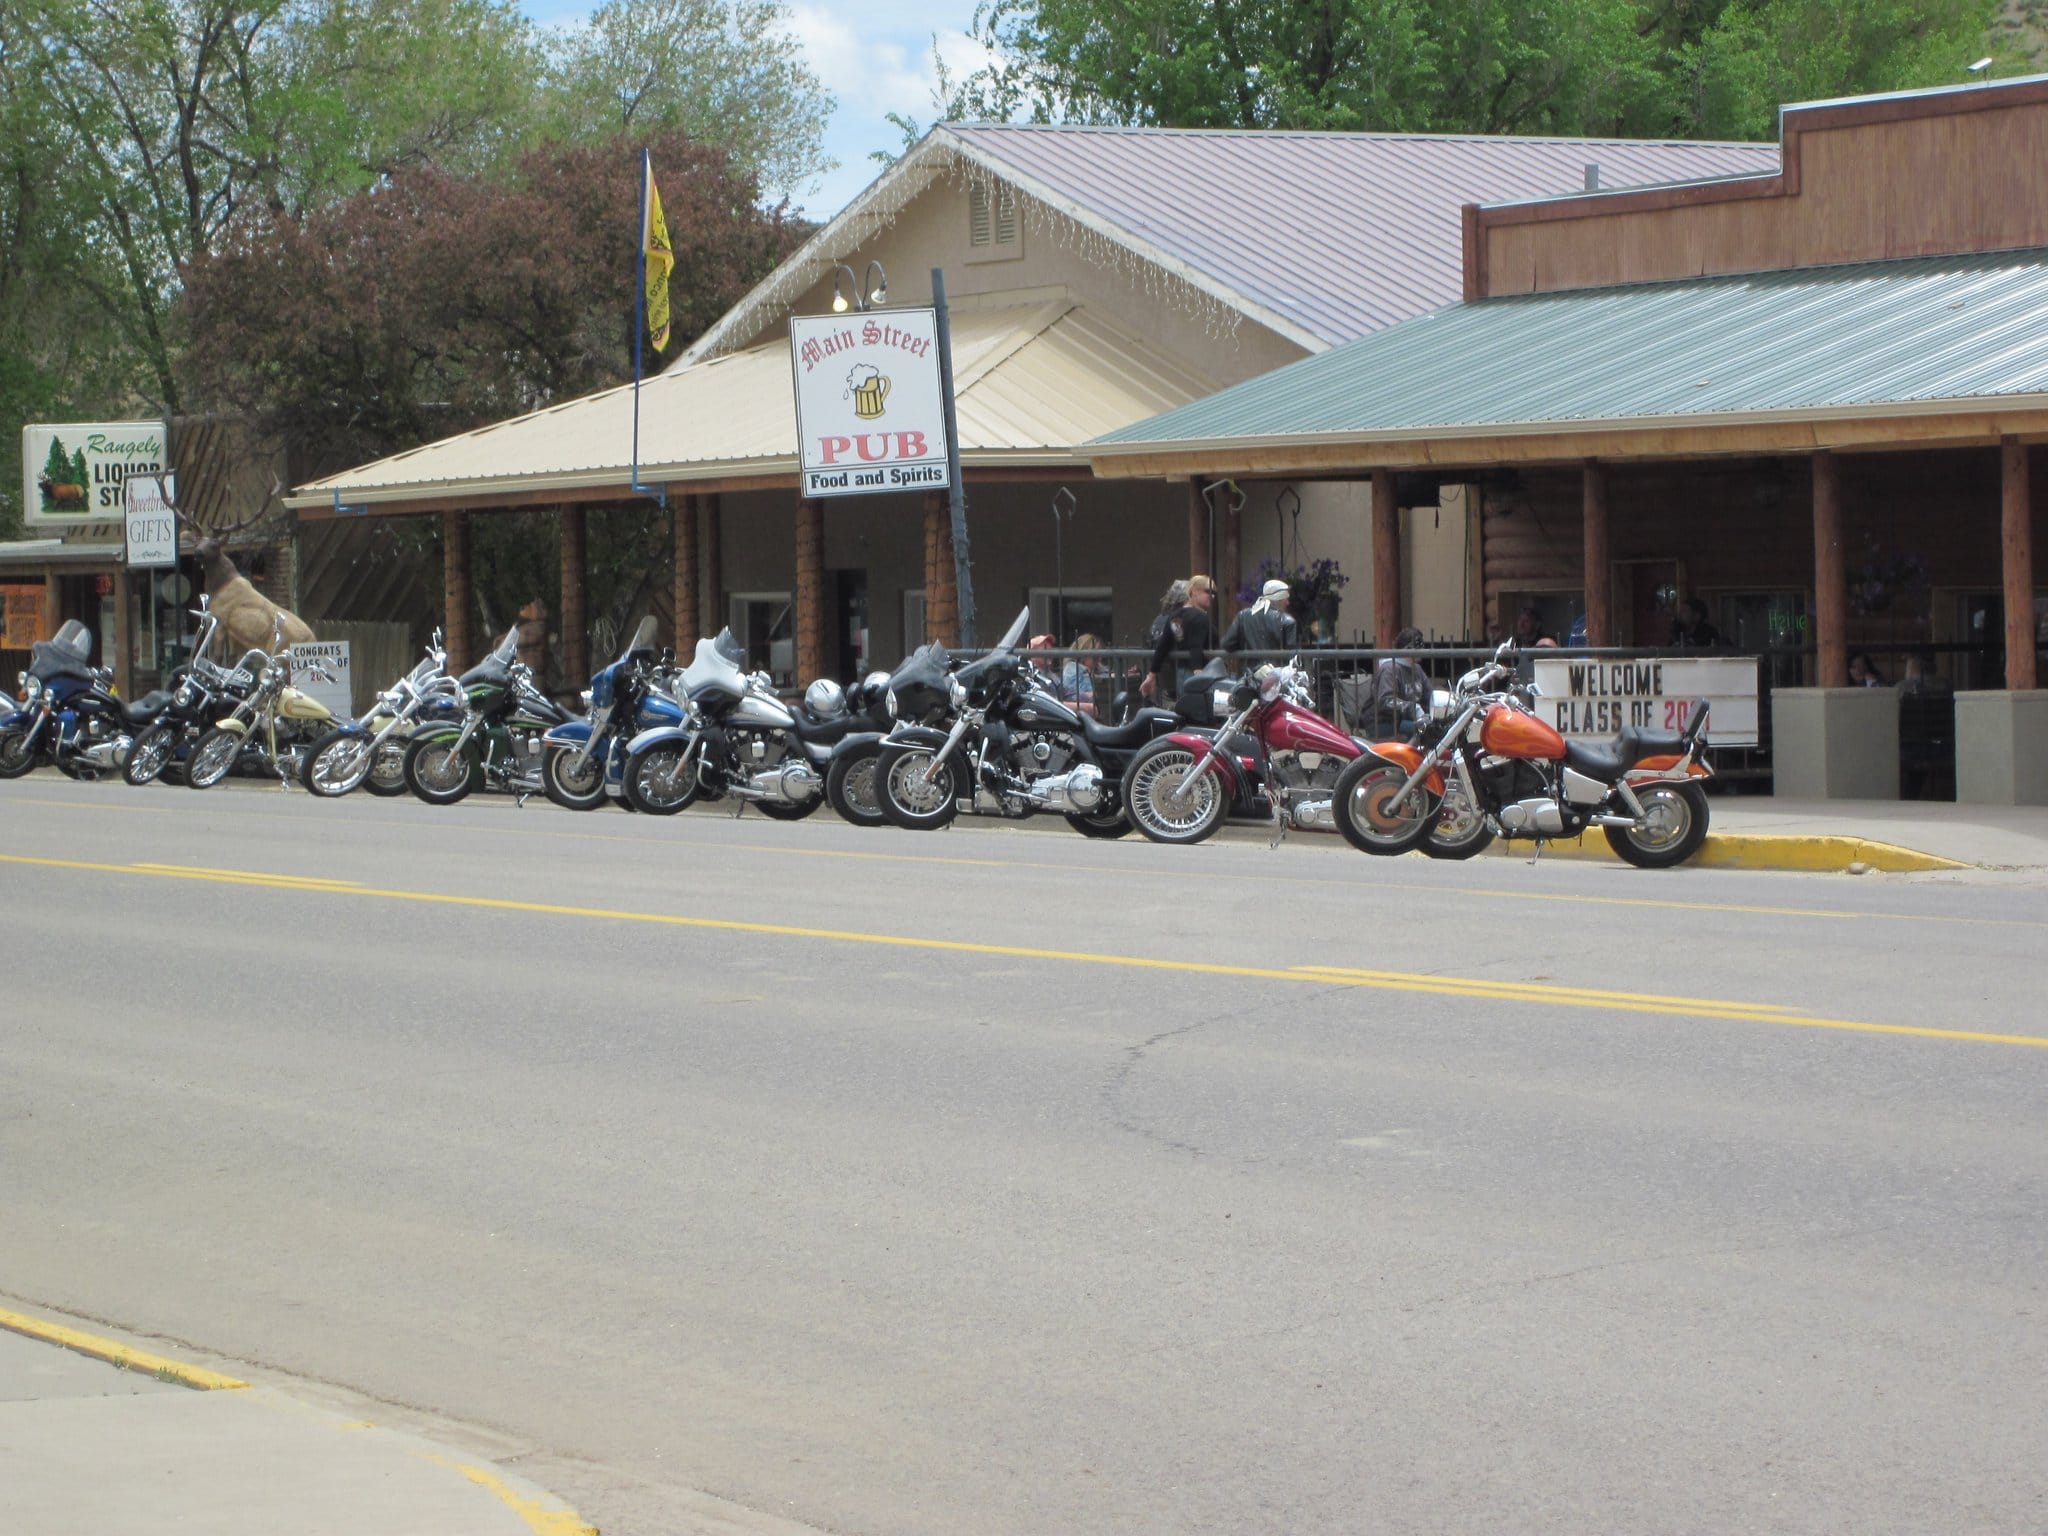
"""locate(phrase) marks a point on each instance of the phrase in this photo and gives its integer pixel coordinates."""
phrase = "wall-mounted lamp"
(1977, 69)
(847, 294)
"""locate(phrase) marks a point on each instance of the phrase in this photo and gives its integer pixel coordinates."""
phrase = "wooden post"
(123, 636)
(53, 605)
(2021, 668)
(1599, 552)
(1830, 575)
(712, 555)
(687, 577)
(455, 621)
(575, 599)
(941, 602)
(1198, 530)
(1231, 577)
(811, 617)
(1386, 560)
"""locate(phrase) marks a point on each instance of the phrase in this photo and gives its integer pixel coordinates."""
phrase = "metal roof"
(1032, 381)
(1930, 333)
(1321, 237)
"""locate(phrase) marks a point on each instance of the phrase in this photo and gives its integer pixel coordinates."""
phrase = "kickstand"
(1539, 851)
(520, 797)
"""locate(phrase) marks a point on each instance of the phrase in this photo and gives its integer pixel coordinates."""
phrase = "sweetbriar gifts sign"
(1589, 697)
(77, 473)
(870, 413)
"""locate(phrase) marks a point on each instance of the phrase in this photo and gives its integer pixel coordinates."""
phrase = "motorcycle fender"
(436, 732)
(1405, 757)
(859, 740)
(1666, 767)
(916, 736)
(574, 733)
(1208, 753)
(659, 735)
(239, 727)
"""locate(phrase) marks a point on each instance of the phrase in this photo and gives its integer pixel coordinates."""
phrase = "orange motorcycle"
(1488, 765)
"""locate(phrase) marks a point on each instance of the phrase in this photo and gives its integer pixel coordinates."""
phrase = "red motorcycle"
(1273, 759)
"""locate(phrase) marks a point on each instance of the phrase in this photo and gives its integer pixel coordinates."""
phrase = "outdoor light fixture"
(1977, 68)
(847, 295)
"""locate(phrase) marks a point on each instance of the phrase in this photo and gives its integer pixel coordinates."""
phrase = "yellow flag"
(661, 261)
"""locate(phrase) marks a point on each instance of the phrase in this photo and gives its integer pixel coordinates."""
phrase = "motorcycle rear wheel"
(1151, 782)
(17, 757)
(1106, 824)
(150, 754)
(661, 780)
(784, 810)
(854, 789)
(1363, 806)
(911, 800)
(387, 770)
(1675, 826)
(213, 759)
(440, 773)
(573, 789)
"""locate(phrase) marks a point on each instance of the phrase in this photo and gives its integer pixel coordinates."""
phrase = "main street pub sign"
(870, 413)
(77, 474)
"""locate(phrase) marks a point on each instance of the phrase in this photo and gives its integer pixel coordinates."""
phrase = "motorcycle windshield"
(508, 648)
(716, 665)
(924, 668)
(68, 653)
(1015, 632)
(643, 639)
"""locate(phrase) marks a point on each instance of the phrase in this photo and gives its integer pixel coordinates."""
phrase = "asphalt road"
(1006, 1182)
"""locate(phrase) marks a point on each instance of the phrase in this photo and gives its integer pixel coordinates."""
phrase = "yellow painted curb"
(1819, 852)
(195, 1376)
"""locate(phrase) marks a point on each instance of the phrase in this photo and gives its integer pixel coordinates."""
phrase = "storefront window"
(763, 623)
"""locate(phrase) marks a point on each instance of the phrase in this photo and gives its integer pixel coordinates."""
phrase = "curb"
(195, 1376)
(1817, 852)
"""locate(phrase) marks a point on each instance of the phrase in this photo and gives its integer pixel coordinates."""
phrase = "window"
(993, 230)
(1072, 611)
(763, 623)
(1770, 625)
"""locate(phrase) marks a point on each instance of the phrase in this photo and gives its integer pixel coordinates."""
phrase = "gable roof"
(1320, 237)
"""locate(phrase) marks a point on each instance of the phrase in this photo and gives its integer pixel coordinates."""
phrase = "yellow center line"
(241, 874)
(1550, 989)
(1393, 981)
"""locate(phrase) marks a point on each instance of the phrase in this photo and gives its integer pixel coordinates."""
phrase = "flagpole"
(640, 307)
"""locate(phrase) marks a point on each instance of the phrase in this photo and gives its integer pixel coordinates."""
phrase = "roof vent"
(1593, 176)
(992, 222)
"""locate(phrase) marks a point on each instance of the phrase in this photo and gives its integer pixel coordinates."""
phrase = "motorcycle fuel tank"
(1289, 728)
(762, 713)
(1512, 733)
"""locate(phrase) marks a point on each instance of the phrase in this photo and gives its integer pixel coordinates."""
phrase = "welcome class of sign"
(77, 473)
(1589, 697)
(870, 413)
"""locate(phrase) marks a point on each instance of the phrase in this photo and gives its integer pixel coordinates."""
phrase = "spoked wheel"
(1674, 825)
(213, 758)
(150, 754)
(440, 772)
(16, 755)
(662, 779)
(337, 763)
(387, 769)
(572, 786)
(1461, 828)
(1168, 801)
(851, 786)
(1373, 815)
(918, 793)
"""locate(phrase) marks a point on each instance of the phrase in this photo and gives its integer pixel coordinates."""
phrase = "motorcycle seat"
(1133, 733)
(823, 732)
(145, 709)
(1608, 759)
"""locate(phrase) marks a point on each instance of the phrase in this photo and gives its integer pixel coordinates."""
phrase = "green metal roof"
(1817, 341)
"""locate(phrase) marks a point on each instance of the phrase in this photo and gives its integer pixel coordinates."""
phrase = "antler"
(265, 510)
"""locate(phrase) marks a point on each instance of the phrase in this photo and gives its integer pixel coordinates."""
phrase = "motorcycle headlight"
(1440, 703)
(956, 691)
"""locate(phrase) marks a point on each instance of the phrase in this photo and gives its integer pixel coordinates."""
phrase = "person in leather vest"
(1266, 625)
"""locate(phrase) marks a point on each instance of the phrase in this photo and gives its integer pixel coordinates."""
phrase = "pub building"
(1810, 399)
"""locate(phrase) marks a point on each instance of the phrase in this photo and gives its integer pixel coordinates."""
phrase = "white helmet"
(825, 699)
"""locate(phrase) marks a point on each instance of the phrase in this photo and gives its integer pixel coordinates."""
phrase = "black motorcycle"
(1013, 748)
(850, 784)
(68, 715)
(201, 692)
(497, 745)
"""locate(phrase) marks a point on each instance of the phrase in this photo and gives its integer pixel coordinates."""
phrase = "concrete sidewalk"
(93, 1447)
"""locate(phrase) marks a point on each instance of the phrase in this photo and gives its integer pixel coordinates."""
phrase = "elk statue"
(247, 617)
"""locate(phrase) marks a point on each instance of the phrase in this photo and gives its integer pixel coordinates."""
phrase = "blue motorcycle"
(585, 760)
(68, 715)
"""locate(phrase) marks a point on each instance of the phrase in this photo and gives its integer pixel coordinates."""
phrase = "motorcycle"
(583, 761)
(370, 753)
(68, 715)
(497, 743)
(1013, 747)
(1523, 780)
(274, 727)
(204, 691)
(742, 743)
(1273, 759)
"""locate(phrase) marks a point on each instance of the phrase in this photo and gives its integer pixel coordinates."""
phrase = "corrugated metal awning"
(1033, 381)
(1926, 336)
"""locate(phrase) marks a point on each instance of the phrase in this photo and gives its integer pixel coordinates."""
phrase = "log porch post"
(811, 620)
(1386, 560)
(687, 577)
(1231, 577)
(575, 599)
(1830, 575)
(1599, 554)
(2017, 542)
(455, 621)
(941, 596)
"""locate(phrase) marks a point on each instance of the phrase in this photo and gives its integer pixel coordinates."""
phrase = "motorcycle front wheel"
(16, 755)
(1167, 801)
(337, 763)
(1461, 828)
(1367, 813)
(853, 788)
(661, 780)
(914, 799)
(213, 758)
(1674, 825)
(439, 772)
(150, 754)
(572, 788)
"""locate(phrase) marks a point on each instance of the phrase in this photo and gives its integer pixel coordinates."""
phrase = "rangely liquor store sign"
(869, 412)
(77, 474)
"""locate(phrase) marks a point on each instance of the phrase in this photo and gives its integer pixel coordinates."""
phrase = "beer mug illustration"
(869, 389)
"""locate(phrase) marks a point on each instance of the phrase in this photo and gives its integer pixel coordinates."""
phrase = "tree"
(1613, 67)
(727, 72)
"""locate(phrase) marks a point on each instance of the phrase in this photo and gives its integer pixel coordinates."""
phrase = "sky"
(875, 58)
